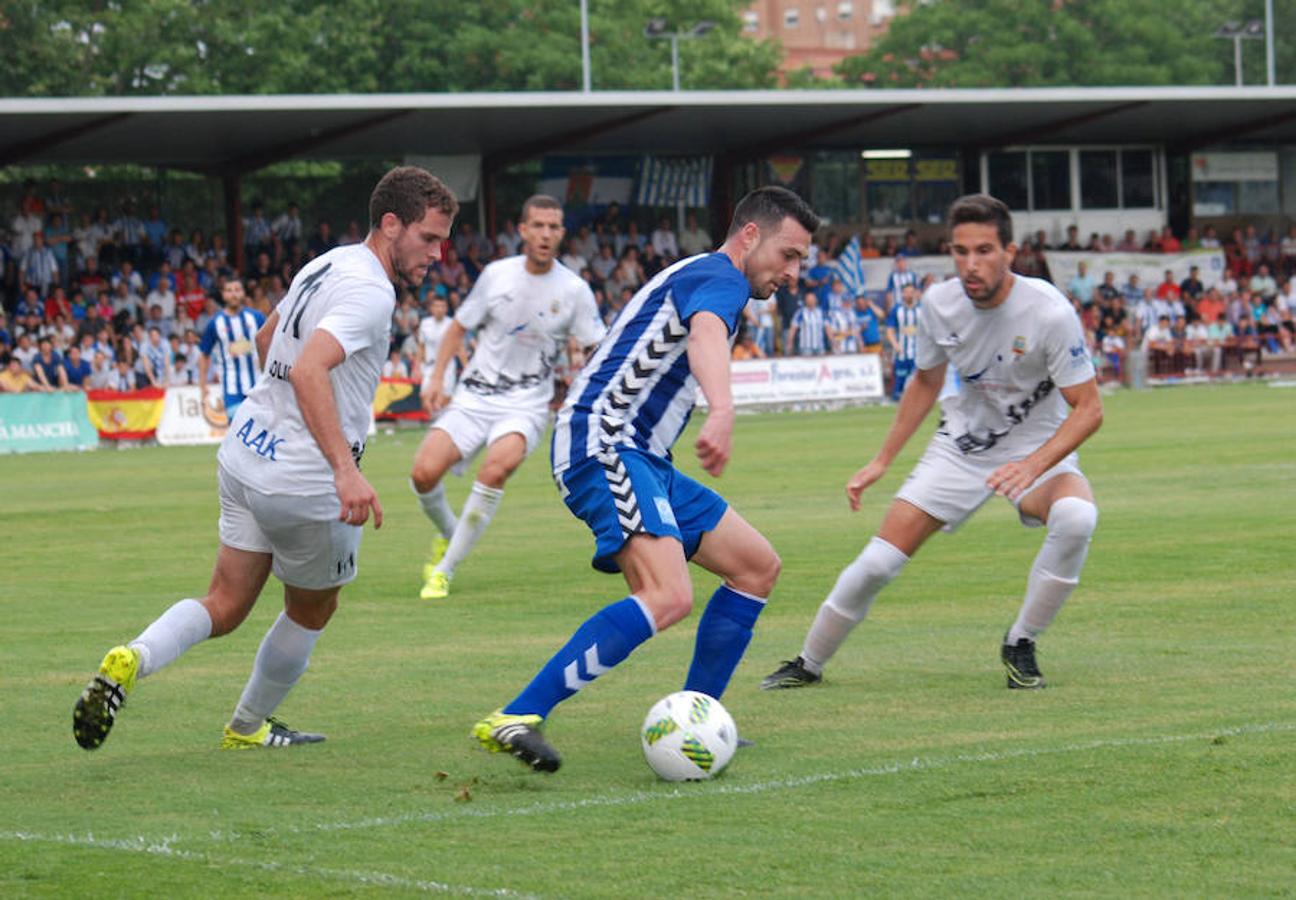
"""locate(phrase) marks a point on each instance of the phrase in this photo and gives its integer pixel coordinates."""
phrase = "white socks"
(1056, 571)
(172, 633)
(436, 508)
(478, 510)
(849, 601)
(282, 658)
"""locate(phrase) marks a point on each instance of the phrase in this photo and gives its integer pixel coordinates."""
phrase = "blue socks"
(722, 637)
(603, 640)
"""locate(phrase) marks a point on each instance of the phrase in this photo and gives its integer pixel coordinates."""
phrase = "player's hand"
(862, 480)
(715, 443)
(1011, 479)
(357, 497)
(436, 401)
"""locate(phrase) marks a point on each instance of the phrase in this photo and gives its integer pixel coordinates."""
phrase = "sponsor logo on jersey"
(1019, 345)
(262, 441)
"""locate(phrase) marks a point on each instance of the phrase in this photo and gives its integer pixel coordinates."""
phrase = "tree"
(1042, 43)
(67, 48)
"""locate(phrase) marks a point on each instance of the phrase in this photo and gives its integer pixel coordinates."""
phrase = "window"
(1138, 181)
(1007, 171)
(834, 186)
(751, 21)
(1050, 179)
(791, 18)
(845, 10)
(1099, 184)
(936, 186)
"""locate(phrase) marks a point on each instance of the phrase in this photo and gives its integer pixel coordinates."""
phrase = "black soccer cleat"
(519, 736)
(1019, 660)
(791, 674)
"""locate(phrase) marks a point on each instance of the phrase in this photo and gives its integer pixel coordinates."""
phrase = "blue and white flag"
(671, 181)
(850, 267)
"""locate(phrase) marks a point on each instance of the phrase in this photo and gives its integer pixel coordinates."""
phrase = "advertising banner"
(805, 379)
(187, 420)
(30, 423)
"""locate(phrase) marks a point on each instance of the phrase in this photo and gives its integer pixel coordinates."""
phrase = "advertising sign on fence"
(30, 423)
(187, 420)
(805, 379)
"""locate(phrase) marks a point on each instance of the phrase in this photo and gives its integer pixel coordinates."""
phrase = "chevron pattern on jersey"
(637, 375)
(629, 516)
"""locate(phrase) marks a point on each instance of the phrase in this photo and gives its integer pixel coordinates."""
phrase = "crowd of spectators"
(118, 298)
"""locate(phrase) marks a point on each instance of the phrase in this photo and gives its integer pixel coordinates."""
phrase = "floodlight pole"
(1269, 42)
(656, 30)
(585, 50)
(1237, 59)
(674, 39)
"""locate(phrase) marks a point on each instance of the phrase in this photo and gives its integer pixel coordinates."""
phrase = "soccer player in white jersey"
(431, 330)
(612, 462)
(1029, 398)
(523, 310)
(231, 334)
(292, 498)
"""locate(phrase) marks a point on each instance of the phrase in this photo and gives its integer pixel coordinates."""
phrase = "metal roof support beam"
(250, 162)
(1232, 131)
(17, 152)
(800, 138)
(1037, 133)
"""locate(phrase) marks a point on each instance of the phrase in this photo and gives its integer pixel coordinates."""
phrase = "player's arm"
(450, 345)
(264, 335)
(1086, 415)
(917, 400)
(708, 358)
(314, 392)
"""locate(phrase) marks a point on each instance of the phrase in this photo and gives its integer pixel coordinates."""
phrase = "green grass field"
(1158, 762)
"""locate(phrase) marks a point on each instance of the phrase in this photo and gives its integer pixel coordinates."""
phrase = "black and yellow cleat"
(792, 673)
(97, 707)
(520, 736)
(1019, 660)
(272, 734)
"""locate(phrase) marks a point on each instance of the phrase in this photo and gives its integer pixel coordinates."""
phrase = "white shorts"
(311, 548)
(951, 486)
(472, 427)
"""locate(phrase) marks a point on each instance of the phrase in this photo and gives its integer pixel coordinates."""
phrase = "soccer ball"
(688, 736)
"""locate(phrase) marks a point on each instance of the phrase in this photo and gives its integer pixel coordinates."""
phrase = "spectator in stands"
(287, 230)
(695, 239)
(628, 273)
(843, 331)
(1072, 242)
(651, 263)
(395, 366)
(57, 304)
(898, 280)
(809, 327)
(123, 377)
(602, 266)
(1152, 243)
(1129, 243)
(902, 338)
(155, 355)
(1210, 240)
(173, 252)
(58, 237)
(1159, 336)
(509, 239)
(585, 244)
(747, 347)
(47, 367)
(911, 247)
(1210, 308)
(1081, 286)
(1191, 288)
(473, 262)
(631, 238)
(17, 380)
(102, 372)
(1287, 253)
(126, 273)
(130, 232)
(1192, 240)
(196, 249)
(261, 268)
(1263, 284)
(321, 241)
(22, 228)
(663, 240)
(163, 276)
(155, 235)
(257, 233)
(1030, 262)
(1167, 242)
(1235, 255)
(1114, 347)
(91, 280)
(76, 371)
(1167, 290)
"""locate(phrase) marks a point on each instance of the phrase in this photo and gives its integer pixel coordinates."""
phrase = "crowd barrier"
(30, 423)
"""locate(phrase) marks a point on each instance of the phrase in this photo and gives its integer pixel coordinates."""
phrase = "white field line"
(162, 847)
(707, 788)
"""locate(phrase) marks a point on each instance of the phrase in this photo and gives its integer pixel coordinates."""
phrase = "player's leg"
(503, 455)
(904, 529)
(1065, 504)
(434, 457)
(741, 555)
(281, 661)
(242, 567)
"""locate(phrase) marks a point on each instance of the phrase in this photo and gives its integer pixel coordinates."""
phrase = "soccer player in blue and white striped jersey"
(612, 462)
(232, 334)
(902, 335)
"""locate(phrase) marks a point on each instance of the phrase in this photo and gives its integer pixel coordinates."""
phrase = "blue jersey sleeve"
(712, 285)
(208, 338)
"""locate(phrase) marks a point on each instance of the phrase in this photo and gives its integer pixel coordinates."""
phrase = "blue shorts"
(631, 492)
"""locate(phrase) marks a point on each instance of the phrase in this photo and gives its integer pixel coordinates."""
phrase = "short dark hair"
(539, 201)
(982, 209)
(768, 206)
(409, 192)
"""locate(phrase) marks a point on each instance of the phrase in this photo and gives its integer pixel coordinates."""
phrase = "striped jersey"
(230, 340)
(809, 324)
(637, 390)
(904, 319)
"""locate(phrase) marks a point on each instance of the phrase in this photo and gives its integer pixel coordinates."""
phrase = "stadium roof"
(237, 134)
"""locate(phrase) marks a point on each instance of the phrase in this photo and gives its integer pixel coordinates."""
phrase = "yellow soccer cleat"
(520, 736)
(439, 547)
(272, 734)
(96, 708)
(437, 586)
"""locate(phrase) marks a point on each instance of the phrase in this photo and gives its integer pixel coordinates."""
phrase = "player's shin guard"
(723, 634)
(436, 508)
(1056, 571)
(186, 623)
(849, 601)
(478, 511)
(602, 641)
(280, 661)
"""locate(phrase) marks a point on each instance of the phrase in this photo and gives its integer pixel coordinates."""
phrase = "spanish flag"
(126, 416)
